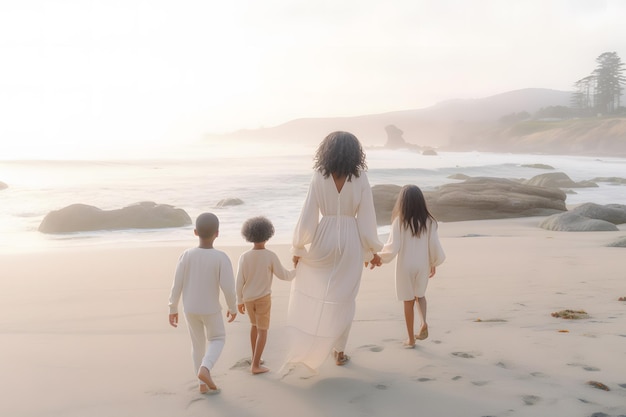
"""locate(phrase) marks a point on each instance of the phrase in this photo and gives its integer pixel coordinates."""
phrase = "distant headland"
(531, 120)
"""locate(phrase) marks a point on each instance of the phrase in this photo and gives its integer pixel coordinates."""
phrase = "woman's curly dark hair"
(340, 153)
(257, 229)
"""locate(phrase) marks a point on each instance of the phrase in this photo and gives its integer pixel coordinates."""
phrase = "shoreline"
(91, 325)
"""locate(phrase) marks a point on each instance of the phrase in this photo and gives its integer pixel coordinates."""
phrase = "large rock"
(613, 213)
(394, 137)
(588, 217)
(3, 185)
(611, 180)
(230, 201)
(538, 166)
(572, 222)
(144, 215)
(385, 196)
(558, 180)
(478, 198)
(619, 243)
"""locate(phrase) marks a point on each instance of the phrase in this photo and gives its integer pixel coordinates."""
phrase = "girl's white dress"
(416, 255)
(328, 275)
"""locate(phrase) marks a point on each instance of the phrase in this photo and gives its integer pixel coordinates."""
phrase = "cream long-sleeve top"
(256, 269)
(200, 275)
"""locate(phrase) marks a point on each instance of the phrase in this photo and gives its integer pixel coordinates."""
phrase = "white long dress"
(416, 255)
(322, 300)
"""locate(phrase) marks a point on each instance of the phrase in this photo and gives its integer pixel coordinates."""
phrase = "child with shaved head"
(200, 274)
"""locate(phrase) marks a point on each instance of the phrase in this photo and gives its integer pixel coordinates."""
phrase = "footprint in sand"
(585, 367)
(456, 378)
(372, 348)
(480, 383)
(538, 374)
(423, 379)
(193, 400)
(531, 399)
(242, 363)
(381, 386)
(464, 355)
(160, 393)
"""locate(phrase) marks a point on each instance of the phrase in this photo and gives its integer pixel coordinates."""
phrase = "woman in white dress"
(330, 251)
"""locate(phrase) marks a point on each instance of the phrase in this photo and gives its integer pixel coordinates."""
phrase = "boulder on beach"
(572, 222)
(385, 196)
(230, 201)
(3, 185)
(613, 213)
(558, 180)
(480, 198)
(477, 198)
(429, 152)
(588, 217)
(144, 215)
(619, 243)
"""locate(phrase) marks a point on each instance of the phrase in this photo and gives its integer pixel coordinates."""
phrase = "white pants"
(203, 328)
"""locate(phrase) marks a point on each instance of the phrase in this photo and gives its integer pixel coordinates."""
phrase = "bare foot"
(205, 376)
(340, 358)
(423, 333)
(408, 345)
(259, 370)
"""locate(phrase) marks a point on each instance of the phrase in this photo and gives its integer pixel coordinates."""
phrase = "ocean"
(271, 183)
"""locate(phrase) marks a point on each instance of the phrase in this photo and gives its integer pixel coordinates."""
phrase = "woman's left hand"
(376, 261)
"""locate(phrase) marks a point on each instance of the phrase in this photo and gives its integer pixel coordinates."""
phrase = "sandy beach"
(84, 332)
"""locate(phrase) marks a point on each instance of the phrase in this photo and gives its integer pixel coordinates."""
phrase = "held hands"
(174, 320)
(230, 316)
(376, 261)
(241, 308)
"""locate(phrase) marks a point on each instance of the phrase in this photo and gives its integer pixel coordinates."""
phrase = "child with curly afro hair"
(257, 267)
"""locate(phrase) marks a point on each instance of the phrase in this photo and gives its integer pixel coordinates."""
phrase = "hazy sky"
(89, 74)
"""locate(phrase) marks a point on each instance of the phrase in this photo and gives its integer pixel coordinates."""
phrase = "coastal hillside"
(431, 126)
(599, 136)
(465, 125)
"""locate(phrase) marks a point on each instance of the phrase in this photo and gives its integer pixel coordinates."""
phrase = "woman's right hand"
(295, 259)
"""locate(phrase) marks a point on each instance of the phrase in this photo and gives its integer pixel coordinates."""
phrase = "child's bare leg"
(204, 375)
(409, 318)
(421, 304)
(261, 339)
(253, 337)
